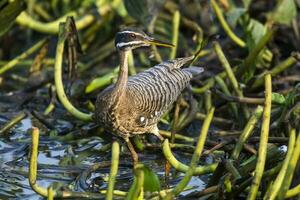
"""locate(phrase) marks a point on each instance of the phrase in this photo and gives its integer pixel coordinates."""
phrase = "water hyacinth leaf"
(278, 98)
(143, 10)
(144, 180)
(255, 31)
(151, 181)
(9, 10)
(234, 14)
(284, 12)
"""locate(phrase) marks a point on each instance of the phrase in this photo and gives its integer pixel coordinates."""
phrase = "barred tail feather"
(194, 70)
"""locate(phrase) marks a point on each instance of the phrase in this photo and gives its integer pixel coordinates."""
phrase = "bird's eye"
(132, 36)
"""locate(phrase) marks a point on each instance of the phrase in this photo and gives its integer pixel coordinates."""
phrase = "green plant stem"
(293, 192)
(115, 192)
(29, 62)
(49, 108)
(290, 61)
(24, 19)
(290, 169)
(247, 132)
(217, 120)
(58, 78)
(100, 82)
(195, 158)
(277, 184)
(113, 170)
(210, 82)
(249, 62)
(225, 25)
(177, 136)
(182, 167)
(50, 193)
(230, 74)
(251, 100)
(21, 57)
(225, 89)
(33, 175)
(136, 190)
(175, 34)
(207, 100)
(33, 165)
(260, 165)
(12, 122)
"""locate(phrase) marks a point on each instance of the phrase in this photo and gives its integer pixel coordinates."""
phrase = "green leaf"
(151, 181)
(285, 12)
(144, 180)
(234, 14)
(255, 31)
(278, 98)
(9, 10)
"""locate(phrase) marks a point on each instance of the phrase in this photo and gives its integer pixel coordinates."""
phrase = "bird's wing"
(155, 89)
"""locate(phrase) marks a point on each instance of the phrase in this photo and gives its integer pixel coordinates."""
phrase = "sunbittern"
(134, 105)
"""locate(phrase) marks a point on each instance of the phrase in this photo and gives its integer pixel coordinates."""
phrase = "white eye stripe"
(122, 44)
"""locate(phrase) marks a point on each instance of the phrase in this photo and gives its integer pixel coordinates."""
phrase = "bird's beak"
(156, 42)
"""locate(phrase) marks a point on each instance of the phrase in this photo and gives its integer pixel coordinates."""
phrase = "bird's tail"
(194, 70)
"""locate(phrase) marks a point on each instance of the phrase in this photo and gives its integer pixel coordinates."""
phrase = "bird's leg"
(134, 155)
(155, 132)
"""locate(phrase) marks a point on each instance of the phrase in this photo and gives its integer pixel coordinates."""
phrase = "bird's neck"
(120, 86)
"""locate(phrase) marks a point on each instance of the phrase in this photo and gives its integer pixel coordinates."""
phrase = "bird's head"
(129, 39)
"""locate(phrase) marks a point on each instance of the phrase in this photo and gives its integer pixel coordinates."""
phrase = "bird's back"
(155, 89)
(148, 95)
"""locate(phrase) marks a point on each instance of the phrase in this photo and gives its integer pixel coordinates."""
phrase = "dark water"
(67, 163)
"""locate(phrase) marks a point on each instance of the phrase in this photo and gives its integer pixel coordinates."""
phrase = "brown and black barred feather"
(148, 95)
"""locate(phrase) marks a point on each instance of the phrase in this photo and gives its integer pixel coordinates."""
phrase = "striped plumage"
(147, 96)
(134, 105)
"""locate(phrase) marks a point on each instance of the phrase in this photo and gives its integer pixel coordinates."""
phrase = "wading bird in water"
(134, 105)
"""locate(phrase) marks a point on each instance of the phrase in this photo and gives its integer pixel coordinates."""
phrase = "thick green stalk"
(24, 19)
(176, 22)
(293, 192)
(113, 170)
(21, 57)
(251, 58)
(262, 151)
(247, 132)
(225, 89)
(50, 193)
(179, 166)
(58, 78)
(33, 165)
(225, 25)
(289, 62)
(230, 74)
(195, 158)
(290, 169)
(12, 122)
(277, 184)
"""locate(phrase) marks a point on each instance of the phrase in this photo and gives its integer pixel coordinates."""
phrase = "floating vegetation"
(234, 134)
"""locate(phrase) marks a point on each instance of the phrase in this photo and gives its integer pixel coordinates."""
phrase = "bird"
(135, 104)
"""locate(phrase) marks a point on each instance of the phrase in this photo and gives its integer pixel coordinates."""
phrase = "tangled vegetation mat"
(234, 134)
